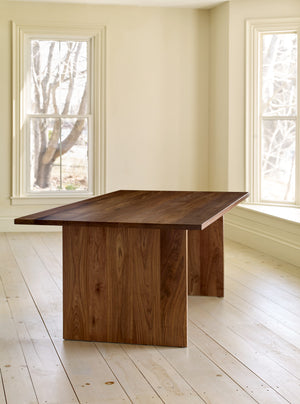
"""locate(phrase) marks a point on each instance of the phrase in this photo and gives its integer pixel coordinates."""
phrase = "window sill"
(49, 200)
(287, 213)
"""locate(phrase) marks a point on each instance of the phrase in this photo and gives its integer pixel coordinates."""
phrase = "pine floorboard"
(243, 348)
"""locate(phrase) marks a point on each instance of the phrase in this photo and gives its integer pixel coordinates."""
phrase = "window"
(58, 115)
(58, 147)
(272, 113)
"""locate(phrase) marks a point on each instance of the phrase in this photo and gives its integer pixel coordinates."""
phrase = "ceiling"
(146, 3)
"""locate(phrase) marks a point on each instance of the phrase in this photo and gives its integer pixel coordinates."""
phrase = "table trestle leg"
(206, 261)
(126, 285)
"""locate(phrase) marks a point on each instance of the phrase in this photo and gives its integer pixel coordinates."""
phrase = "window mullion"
(279, 118)
(57, 116)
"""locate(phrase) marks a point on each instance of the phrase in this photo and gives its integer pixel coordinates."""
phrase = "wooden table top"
(155, 209)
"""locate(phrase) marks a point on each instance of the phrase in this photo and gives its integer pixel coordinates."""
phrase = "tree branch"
(73, 75)
(46, 78)
(36, 71)
(71, 139)
(48, 156)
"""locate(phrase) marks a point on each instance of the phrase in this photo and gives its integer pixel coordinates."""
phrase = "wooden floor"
(244, 348)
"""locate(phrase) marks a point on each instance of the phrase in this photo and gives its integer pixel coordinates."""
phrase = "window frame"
(254, 30)
(21, 35)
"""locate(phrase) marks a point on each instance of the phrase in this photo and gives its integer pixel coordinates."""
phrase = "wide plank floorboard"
(88, 381)
(2, 394)
(242, 349)
(129, 375)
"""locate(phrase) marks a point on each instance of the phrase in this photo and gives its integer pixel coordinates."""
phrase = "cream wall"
(218, 98)
(157, 95)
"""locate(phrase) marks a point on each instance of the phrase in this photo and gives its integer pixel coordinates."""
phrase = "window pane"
(75, 159)
(71, 94)
(59, 154)
(279, 70)
(59, 75)
(44, 75)
(44, 154)
(278, 160)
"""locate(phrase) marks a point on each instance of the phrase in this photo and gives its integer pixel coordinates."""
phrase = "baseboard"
(274, 236)
(7, 225)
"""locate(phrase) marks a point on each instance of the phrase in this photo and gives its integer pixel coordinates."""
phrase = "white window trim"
(252, 153)
(97, 35)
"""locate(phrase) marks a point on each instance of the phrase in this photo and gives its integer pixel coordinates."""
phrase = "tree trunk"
(43, 173)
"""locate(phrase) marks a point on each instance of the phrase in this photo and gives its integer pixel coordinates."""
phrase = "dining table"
(132, 257)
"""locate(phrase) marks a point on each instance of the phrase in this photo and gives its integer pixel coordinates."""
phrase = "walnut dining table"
(131, 258)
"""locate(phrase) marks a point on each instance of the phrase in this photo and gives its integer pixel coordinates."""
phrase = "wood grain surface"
(173, 290)
(125, 285)
(153, 209)
(206, 261)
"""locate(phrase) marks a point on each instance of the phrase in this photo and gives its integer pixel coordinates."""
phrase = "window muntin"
(58, 116)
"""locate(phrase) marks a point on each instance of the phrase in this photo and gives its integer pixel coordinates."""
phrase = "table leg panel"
(206, 261)
(133, 285)
(83, 290)
(124, 285)
(173, 287)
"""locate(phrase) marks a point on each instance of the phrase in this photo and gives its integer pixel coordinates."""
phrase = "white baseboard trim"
(274, 236)
(7, 225)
